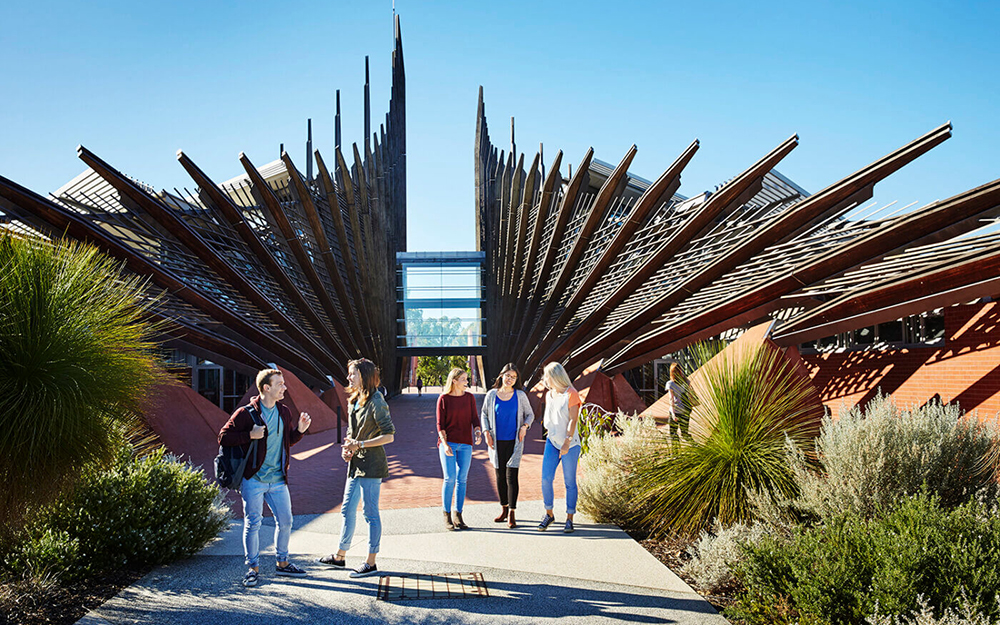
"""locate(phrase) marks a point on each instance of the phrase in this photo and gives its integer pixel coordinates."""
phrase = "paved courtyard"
(595, 575)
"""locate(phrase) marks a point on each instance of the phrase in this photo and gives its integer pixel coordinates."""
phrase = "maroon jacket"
(236, 431)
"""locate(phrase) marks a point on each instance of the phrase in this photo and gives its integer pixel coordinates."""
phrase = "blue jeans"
(254, 494)
(455, 469)
(551, 460)
(358, 488)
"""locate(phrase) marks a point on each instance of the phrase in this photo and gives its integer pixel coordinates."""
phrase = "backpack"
(231, 463)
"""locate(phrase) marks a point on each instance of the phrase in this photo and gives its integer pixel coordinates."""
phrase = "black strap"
(257, 419)
(255, 415)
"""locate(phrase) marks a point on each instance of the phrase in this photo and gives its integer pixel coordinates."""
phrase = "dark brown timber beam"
(234, 216)
(199, 247)
(565, 211)
(345, 248)
(538, 227)
(658, 193)
(953, 212)
(734, 194)
(954, 295)
(319, 234)
(838, 197)
(75, 226)
(370, 246)
(265, 195)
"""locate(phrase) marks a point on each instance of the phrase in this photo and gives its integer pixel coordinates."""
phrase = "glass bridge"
(440, 300)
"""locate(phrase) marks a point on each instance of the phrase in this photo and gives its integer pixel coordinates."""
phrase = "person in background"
(506, 418)
(457, 424)
(675, 387)
(369, 429)
(562, 445)
(266, 476)
(420, 386)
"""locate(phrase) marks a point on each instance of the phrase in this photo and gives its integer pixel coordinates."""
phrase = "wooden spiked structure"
(602, 266)
(594, 266)
(274, 266)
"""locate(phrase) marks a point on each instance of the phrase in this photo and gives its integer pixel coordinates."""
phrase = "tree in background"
(76, 355)
(433, 331)
(433, 370)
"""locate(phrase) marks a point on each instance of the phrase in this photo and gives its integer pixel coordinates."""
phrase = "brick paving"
(317, 473)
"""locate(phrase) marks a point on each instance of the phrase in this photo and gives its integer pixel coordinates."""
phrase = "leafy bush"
(872, 459)
(75, 349)
(715, 554)
(745, 406)
(44, 555)
(604, 492)
(839, 571)
(147, 510)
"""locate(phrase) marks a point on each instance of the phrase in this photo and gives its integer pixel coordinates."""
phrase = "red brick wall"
(966, 369)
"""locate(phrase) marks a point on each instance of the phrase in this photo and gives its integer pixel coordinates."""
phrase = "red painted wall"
(187, 423)
(966, 369)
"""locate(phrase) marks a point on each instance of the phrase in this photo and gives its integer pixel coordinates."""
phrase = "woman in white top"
(562, 413)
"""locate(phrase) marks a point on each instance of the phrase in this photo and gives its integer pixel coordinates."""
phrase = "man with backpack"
(270, 427)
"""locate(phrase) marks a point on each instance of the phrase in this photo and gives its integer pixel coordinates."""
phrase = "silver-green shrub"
(715, 554)
(966, 615)
(870, 460)
(604, 493)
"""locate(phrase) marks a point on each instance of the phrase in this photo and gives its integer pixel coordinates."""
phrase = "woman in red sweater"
(457, 424)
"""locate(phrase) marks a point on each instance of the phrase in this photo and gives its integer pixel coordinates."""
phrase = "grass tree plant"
(76, 361)
(744, 404)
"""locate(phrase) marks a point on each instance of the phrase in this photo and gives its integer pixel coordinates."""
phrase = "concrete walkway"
(596, 575)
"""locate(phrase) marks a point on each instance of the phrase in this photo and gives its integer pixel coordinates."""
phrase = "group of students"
(504, 422)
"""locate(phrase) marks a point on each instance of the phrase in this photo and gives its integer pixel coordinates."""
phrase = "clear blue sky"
(135, 81)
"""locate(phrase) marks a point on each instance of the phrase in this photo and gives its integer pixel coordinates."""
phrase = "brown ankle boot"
(511, 522)
(459, 523)
(502, 517)
(447, 521)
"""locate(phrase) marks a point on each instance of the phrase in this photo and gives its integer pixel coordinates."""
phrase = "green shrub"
(148, 510)
(872, 459)
(45, 554)
(604, 491)
(841, 570)
(75, 349)
(745, 406)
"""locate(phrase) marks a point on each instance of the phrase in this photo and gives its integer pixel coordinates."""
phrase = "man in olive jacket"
(266, 475)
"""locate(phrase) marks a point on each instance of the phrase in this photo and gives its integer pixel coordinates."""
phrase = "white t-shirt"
(556, 418)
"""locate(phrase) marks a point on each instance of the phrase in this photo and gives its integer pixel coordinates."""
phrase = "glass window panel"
(208, 385)
(441, 302)
(933, 327)
(891, 332)
(865, 336)
(827, 342)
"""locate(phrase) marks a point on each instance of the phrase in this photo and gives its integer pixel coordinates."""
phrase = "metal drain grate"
(438, 586)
